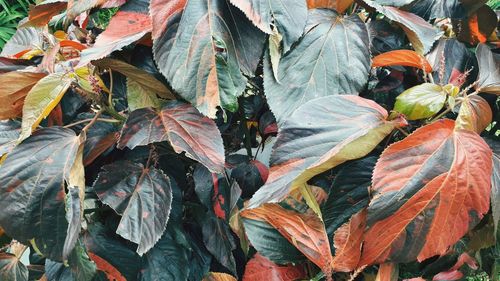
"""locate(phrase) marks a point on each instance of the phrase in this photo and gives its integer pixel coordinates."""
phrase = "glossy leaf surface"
(489, 72)
(402, 57)
(421, 101)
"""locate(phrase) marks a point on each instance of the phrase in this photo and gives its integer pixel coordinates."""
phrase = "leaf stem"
(90, 119)
(96, 116)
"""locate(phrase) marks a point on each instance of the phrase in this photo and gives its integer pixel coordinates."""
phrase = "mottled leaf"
(428, 190)
(260, 268)
(289, 17)
(420, 33)
(214, 191)
(421, 101)
(128, 25)
(12, 269)
(489, 72)
(402, 57)
(168, 260)
(32, 189)
(9, 133)
(476, 27)
(321, 134)
(41, 99)
(183, 126)
(306, 232)
(314, 68)
(142, 195)
(475, 114)
(15, 87)
(139, 76)
(201, 46)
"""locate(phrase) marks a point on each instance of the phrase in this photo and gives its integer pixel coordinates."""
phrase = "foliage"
(11, 13)
(250, 140)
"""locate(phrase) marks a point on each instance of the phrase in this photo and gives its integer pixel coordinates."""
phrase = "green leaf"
(320, 135)
(80, 267)
(316, 66)
(219, 240)
(167, 260)
(9, 133)
(140, 97)
(32, 189)
(289, 17)
(12, 269)
(421, 101)
(142, 195)
(41, 99)
(201, 55)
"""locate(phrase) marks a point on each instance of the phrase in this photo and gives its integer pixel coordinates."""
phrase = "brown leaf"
(338, 5)
(15, 87)
(219, 276)
(347, 241)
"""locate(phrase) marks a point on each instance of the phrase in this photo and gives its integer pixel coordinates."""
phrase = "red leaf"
(338, 5)
(387, 272)
(111, 272)
(260, 268)
(402, 57)
(40, 15)
(306, 232)
(347, 241)
(162, 12)
(428, 190)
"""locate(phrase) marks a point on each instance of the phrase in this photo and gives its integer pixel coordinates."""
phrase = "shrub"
(252, 140)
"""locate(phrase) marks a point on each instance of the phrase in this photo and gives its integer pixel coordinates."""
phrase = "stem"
(86, 128)
(431, 78)
(90, 119)
(110, 95)
(403, 132)
(111, 111)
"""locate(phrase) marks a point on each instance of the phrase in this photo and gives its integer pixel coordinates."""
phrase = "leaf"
(219, 241)
(110, 254)
(495, 190)
(168, 260)
(219, 276)
(101, 137)
(306, 232)
(9, 133)
(314, 68)
(289, 17)
(388, 272)
(475, 114)
(260, 268)
(402, 57)
(74, 218)
(420, 33)
(42, 13)
(142, 195)
(424, 204)
(431, 9)
(32, 189)
(201, 46)
(128, 25)
(421, 101)
(489, 74)
(477, 27)
(214, 191)
(183, 126)
(347, 241)
(140, 97)
(12, 269)
(321, 134)
(24, 39)
(80, 267)
(139, 76)
(15, 87)
(339, 5)
(348, 193)
(41, 99)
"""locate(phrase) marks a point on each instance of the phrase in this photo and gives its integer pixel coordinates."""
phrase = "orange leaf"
(428, 190)
(387, 272)
(218, 276)
(402, 57)
(260, 268)
(347, 241)
(111, 272)
(40, 15)
(338, 5)
(306, 232)
(72, 44)
(15, 87)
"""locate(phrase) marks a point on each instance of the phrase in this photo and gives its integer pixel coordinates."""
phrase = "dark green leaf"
(203, 49)
(32, 189)
(9, 133)
(219, 241)
(315, 67)
(183, 126)
(489, 72)
(12, 269)
(74, 218)
(142, 195)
